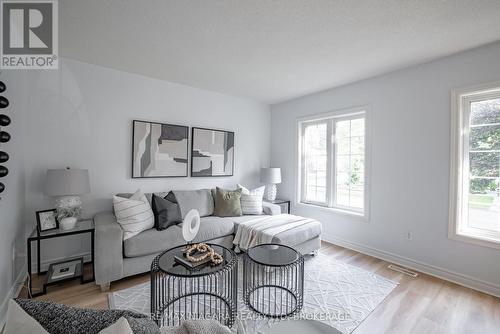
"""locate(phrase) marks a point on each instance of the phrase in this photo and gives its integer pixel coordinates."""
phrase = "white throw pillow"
(251, 200)
(134, 214)
(121, 326)
(20, 322)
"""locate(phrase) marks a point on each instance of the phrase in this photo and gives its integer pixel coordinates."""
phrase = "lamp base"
(270, 192)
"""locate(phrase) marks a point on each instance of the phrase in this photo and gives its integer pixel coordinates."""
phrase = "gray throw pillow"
(166, 213)
(227, 202)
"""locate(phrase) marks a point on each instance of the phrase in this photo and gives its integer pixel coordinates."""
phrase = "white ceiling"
(271, 50)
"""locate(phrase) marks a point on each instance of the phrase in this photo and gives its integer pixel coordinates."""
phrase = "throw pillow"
(121, 326)
(201, 200)
(134, 214)
(20, 322)
(251, 200)
(166, 213)
(227, 202)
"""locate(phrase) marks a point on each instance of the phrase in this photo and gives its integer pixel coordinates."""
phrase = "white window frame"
(343, 114)
(459, 180)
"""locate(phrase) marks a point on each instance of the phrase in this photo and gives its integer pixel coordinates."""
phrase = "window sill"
(477, 239)
(358, 215)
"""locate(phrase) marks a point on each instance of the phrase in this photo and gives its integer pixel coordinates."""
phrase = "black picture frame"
(193, 139)
(133, 172)
(39, 227)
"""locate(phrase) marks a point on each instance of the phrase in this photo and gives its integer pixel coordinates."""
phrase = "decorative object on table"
(67, 184)
(65, 269)
(198, 254)
(134, 214)
(212, 152)
(274, 280)
(209, 292)
(227, 202)
(159, 150)
(251, 200)
(270, 177)
(190, 225)
(83, 227)
(47, 220)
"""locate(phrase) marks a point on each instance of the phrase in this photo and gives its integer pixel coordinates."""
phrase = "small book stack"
(192, 265)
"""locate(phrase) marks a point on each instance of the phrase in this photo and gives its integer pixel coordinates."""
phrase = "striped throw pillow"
(251, 200)
(134, 214)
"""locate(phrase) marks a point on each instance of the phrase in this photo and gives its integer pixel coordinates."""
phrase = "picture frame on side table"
(159, 150)
(212, 152)
(46, 220)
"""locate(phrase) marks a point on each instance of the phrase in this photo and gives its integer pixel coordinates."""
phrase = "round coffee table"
(206, 292)
(273, 280)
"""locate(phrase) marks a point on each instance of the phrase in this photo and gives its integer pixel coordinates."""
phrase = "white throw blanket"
(262, 230)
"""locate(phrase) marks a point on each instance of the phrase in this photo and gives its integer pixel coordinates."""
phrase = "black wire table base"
(178, 298)
(274, 291)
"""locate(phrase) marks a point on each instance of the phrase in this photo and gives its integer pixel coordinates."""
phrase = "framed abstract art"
(212, 152)
(159, 150)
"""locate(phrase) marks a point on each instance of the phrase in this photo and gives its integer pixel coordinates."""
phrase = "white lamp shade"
(270, 175)
(67, 182)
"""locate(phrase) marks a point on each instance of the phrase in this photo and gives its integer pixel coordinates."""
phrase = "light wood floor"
(422, 305)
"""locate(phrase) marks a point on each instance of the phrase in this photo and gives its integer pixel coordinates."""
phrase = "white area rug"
(336, 293)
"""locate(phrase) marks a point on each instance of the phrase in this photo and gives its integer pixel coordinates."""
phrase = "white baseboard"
(45, 263)
(445, 274)
(14, 291)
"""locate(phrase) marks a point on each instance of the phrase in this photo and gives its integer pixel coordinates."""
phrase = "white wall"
(81, 116)
(13, 231)
(410, 112)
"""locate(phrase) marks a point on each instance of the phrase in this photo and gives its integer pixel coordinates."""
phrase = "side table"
(82, 227)
(282, 203)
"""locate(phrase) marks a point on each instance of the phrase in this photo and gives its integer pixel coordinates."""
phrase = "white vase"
(67, 223)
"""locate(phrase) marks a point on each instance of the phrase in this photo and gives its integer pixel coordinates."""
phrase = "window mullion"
(332, 179)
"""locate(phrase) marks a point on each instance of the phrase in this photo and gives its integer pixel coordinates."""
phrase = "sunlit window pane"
(484, 166)
(315, 162)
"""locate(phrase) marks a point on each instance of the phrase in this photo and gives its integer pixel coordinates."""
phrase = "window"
(475, 205)
(332, 161)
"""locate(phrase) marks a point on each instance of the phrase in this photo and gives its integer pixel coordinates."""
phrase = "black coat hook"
(4, 120)
(4, 157)
(2, 187)
(3, 171)
(4, 136)
(2, 87)
(4, 103)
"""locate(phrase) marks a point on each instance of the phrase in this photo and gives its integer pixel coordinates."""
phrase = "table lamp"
(270, 177)
(67, 184)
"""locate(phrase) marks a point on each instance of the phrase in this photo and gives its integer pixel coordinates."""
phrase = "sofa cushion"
(134, 214)
(153, 241)
(214, 227)
(201, 200)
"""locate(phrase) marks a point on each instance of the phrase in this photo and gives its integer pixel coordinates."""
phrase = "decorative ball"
(2, 87)
(4, 137)
(3, 171)
(4, 103)
(4, 120)
(4, 157)
(2, 187)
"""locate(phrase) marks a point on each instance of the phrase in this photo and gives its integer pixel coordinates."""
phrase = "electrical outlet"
(409, 235)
